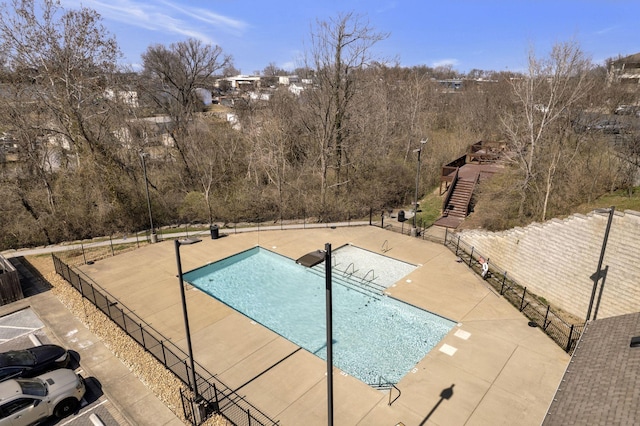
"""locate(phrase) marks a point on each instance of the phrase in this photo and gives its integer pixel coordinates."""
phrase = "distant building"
(451, 84)
(286, 80)
(128, 97)
(258, 96)
(625, 70)
(296, 89)
(242, 81)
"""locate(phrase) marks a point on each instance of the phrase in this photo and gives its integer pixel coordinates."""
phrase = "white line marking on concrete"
(17, 327)
(82, 414)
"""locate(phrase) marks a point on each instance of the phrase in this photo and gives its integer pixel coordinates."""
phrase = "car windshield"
(35, 387)
(17, 358)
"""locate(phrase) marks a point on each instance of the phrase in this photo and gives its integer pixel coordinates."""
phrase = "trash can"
(215, 232)
(401, 216)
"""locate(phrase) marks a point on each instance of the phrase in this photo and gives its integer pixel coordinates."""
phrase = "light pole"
(310, 260)
(415, 204)
(154, 237)
(600, 273)
(179, 243)
(329, 315)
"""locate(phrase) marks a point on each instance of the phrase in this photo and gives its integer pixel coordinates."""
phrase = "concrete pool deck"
(490, 369)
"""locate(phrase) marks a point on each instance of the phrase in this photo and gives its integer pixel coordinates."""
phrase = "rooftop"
(601, 384)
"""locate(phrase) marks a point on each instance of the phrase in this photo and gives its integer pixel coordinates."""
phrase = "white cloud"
(161, 16)
(209, 17)
(606, 30)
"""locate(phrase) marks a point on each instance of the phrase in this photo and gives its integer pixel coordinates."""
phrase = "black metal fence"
(214, 396)
(539, 313)
(397, 223)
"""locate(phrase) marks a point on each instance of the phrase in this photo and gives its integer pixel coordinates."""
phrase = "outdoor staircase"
(456, 206)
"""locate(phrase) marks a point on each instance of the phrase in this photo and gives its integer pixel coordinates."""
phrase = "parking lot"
(23, 329)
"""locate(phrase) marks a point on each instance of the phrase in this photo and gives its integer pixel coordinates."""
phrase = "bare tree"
(230, 70)
(176, 73)
(272, 70)
(61, 64)
(340, 48)
(540, 130)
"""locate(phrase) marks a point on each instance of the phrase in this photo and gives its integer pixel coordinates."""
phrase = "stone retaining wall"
(555, 259)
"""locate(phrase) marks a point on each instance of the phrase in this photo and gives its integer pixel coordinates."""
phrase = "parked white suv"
(26, 401)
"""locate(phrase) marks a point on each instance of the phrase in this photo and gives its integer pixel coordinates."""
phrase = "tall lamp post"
(178, 243)
(600, 273)
(310, 260)
(154, 237)
(415, 204)
(329, 315)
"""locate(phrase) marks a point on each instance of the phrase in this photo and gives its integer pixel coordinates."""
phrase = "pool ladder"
(351, 283)
(373, 273)
(353, 270)
(383, 384)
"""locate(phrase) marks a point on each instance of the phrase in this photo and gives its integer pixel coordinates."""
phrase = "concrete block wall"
(555, 259)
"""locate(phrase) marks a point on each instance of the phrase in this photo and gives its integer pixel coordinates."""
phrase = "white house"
(296, 89)
(128, 97)
(286, 80)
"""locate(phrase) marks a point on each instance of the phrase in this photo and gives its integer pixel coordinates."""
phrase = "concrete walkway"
(492, 368)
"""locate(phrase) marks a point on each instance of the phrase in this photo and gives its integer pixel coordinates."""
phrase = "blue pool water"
(375, 338)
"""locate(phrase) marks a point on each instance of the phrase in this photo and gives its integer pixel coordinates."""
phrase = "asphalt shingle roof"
(602, 383)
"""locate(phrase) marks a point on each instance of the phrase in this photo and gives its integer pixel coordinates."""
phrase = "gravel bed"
(163, 383)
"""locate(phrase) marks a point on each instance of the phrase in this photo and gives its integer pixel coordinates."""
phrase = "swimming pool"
(376, 338)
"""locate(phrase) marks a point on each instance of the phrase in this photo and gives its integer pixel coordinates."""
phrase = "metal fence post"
(144, 344)
(524, 292)
(164, 357)
(544, 325)
(568, 348)
(471, 256)
(458, 245)
(124, 321)
(83, 256)
(504, 280)
(215, 394)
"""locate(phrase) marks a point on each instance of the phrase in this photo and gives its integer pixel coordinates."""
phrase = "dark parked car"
(32, 361)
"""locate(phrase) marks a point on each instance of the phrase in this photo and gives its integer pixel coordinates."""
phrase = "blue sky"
(483, 34)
